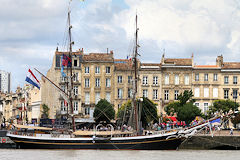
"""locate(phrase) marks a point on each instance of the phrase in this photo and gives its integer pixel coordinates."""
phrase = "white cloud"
(30, 30)
(191, 25)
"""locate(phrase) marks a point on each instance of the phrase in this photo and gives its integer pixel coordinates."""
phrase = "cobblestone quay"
(220, 140)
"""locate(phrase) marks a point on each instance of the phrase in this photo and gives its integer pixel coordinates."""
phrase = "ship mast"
(71, 74)
(134, 100)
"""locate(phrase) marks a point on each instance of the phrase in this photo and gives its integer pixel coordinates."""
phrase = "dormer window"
(75, 64)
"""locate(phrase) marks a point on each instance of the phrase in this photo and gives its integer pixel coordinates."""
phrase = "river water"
(18, 154)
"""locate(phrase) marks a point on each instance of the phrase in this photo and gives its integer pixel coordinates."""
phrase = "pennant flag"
(31, 78)
(66, 61)
(63, 74)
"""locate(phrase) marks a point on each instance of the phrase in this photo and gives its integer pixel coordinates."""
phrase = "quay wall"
(220, 140)
(6, 142)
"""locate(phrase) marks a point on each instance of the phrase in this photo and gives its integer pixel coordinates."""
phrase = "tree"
(45, 111)
(149, 112)
(184, 107)
(222, 107)
(147, 108)
(103, 111)
(235, 120)
(124, 112)
(188, 112)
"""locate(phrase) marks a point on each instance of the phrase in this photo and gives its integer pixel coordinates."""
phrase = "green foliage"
(45, 111)
(148, 112)
(185, 97)
(222, 107)
(124, 109)
(236, 119)
(184, 107)
(188, 112)
(103, 111)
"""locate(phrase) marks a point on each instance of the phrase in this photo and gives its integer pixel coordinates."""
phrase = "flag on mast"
(31, 78)
(66, 61)
(62, 67)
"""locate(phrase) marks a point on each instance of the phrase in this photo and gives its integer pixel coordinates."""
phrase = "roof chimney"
(219, 61)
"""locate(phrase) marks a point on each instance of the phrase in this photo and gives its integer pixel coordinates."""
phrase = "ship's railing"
(153, 132)
(56, 135)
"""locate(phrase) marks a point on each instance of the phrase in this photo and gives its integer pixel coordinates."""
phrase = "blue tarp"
(216, 120)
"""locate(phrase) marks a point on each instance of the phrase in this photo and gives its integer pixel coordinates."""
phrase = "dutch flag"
(31, 78)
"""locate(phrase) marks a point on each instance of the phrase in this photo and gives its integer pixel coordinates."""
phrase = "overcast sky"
(31, 29)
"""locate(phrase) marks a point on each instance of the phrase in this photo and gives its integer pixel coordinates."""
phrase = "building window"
(197, 105)
(75, 77)
(176, 92)
(145, 80)
(215, 92)
(166, 78)
(63, 87)
(75, 90)
(119, 79)
(129, 79)
(186, 80)
(206, 92)
(97, 97)
(226, 92)
(155, 94)
(205, 77)
(86, 69)
(166, 92)
(108, 82)
(75, 64)
(235, 79)
(176, 79)
(205, 108)
(87, 82)
(87, 98)
(155, 80)
(63, 79)
(196, 92)
(120, 93)
(97, 69)
(108, 97)
(235, 93)
(196, 76)
(225, 79)
(63, 106)
(75, 106)
(87, 110)
(145, 93)
(215, 77)
(97, 82)
(119, 106)
(108, 69)
(129, 93)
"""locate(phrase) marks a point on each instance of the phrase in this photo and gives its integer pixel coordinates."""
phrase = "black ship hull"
(153, 142)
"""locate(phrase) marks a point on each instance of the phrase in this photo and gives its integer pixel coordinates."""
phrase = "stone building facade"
(100, 76)
(21, 107)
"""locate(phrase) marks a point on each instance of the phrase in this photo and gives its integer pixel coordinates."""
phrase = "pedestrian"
(231, 131)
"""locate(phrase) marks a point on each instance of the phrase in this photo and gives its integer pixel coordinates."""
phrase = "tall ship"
(49, 138)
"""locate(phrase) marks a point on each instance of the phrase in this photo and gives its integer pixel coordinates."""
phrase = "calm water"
(19, 154)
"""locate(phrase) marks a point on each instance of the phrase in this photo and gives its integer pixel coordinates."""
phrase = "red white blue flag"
(31, 78)
(66, 61)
